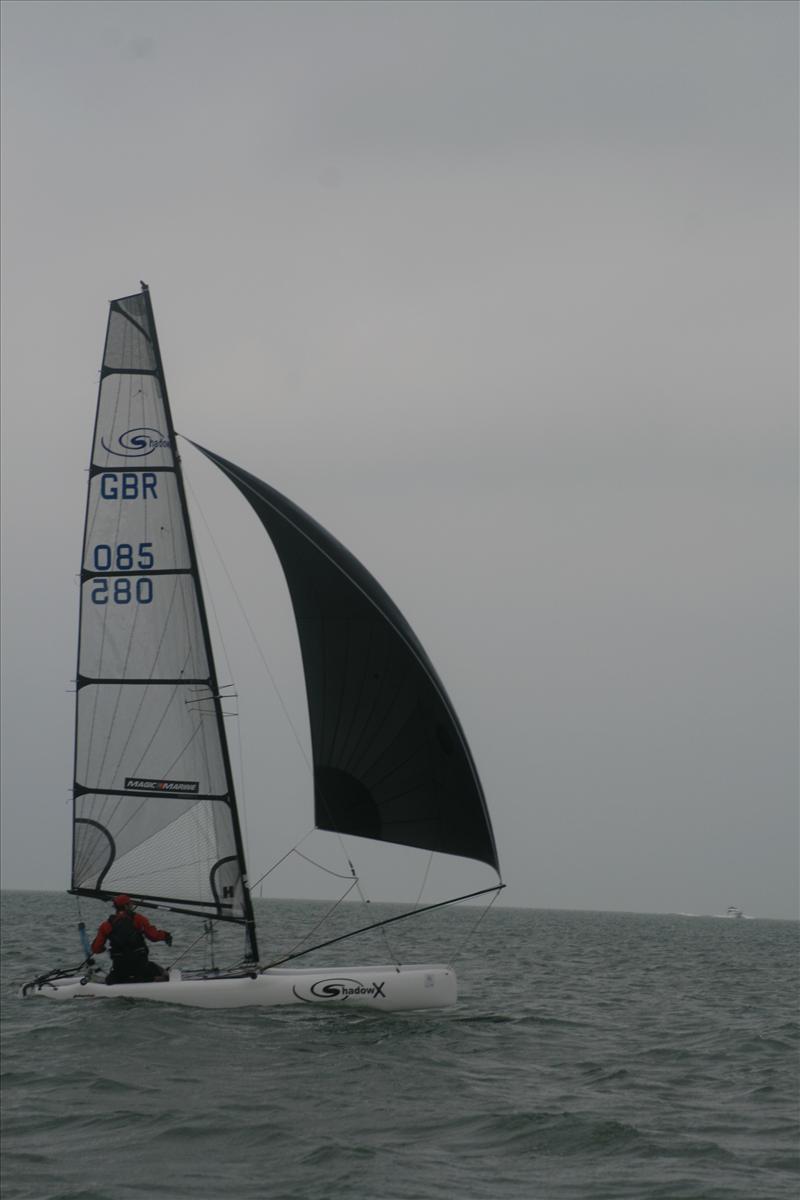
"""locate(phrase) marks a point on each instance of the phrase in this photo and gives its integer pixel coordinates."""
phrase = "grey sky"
(506, 296)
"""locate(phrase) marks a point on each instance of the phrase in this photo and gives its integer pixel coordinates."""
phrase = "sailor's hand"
(168, 939)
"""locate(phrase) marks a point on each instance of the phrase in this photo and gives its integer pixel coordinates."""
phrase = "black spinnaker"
(391, 761)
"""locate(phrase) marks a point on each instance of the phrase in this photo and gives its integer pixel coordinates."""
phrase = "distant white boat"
(733, 911)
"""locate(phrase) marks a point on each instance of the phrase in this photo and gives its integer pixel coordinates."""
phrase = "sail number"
(123, 557)
(128, 485)
(122, 590)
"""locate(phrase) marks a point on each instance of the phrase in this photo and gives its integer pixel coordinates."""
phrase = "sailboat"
(154, 810)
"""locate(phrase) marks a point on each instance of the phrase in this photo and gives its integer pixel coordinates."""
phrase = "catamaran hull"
(392, 989)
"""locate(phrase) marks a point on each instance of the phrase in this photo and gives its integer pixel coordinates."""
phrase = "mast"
(250, 924)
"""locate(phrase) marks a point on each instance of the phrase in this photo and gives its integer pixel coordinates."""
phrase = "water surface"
(600, 1055)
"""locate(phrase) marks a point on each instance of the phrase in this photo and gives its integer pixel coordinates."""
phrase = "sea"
(590, 1055)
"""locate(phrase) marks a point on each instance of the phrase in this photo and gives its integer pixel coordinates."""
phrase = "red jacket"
(142, 924)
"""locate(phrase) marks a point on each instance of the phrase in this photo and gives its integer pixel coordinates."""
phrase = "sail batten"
(391, 761)
(153, 791)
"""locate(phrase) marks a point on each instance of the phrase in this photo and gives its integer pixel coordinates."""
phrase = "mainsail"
(154, 807)
(390, 758)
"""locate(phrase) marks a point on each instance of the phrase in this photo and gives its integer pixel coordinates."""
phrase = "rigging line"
(474, 928)
(295, 952)
(356, 881)
(247, 621)
(424, 879)
(189, 947)
(294, 850)
(414, 912)
(327, 870)
(283, 858)
(333, 827)
(363, 897)
(393, 955)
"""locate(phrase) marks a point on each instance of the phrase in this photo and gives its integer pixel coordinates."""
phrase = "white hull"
(389, 988)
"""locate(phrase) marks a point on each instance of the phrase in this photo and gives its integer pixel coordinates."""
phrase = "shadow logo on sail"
(338, 989)
(136, 443)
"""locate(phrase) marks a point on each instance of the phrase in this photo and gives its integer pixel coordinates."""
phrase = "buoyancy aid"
(125, 940)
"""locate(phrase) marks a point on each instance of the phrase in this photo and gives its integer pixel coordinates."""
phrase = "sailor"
(125, 931)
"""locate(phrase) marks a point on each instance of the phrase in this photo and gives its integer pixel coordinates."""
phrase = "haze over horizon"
(505, 295)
